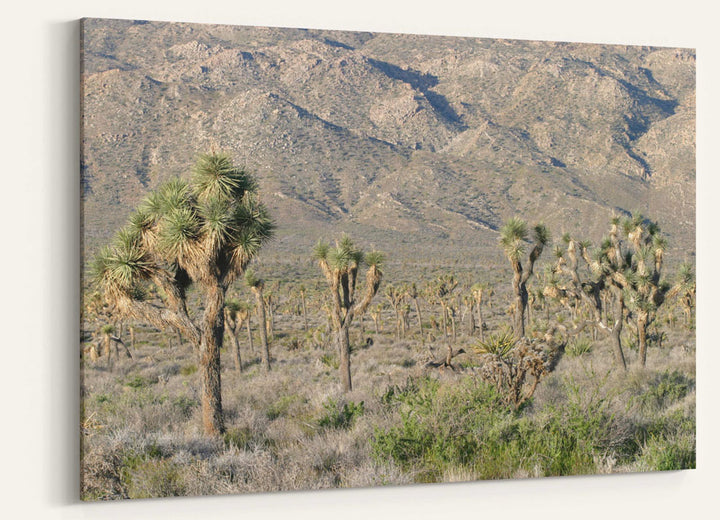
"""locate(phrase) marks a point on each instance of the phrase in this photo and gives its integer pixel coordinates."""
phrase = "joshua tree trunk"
(250, 338)
(642, 322)
(271, 321)
(471, 319)
(376, 319)
(236, 349)
(107, 349)
(452, 325)
(132, 337)
(212, 332)
(480, 321)
(263, 328)
(444, 319)
(521, 298)
(617, 330)
(397, 323)
(304, 310)
(419, 318)
(343, 342)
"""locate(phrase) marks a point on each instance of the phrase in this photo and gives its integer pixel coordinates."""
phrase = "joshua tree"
(628, 266)
(479, 290)
(340, 265)
(440, 291)
(643, 260)
(203, 232)
(512, 238)
(396, 297)
(413, 294)
(684, 289)
(256, 286)
(236, 313)
(376, 314)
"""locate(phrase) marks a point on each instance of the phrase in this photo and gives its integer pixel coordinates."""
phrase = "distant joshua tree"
(414, 295)
(512, 239)
(203, 232)
(396, 298)
(628, 267)
(479, 292)
(684, 290)
(340, 265)
(236, 314)
(256, 286)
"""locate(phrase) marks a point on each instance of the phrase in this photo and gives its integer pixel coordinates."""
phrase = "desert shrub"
(439, 426)
(282, 406)
(667, 387)
(153, 478)
(514, 368)
(189, 369)
(137, 381)
(144, 473)
(340, 417)
(330, 360)
(246, 439)
(185, 405)
(470, 427)
(579, 347)
(662, 453)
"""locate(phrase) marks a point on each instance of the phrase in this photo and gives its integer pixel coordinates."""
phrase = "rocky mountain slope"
(420, 145)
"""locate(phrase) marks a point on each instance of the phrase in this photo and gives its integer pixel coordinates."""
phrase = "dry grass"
(142, 436)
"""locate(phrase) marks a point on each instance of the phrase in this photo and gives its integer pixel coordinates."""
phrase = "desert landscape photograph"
(318, 259)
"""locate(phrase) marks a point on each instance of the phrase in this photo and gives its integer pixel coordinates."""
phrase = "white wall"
(39, 296)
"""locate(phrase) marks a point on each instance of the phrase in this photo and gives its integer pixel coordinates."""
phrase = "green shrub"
(185, 405)
(666, 454)
(282, 406)
(579, 347)
(246, 439)
(189, 369)
(340, 417)
(137, 381)
(145, 474)
(153, 478)
(667, 388)
(330, 360)
(469, 426)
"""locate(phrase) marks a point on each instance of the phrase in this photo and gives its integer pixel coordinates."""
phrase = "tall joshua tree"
(340, 265)
(641, 280)
(513, 236)
(202, 232)
(628, 265)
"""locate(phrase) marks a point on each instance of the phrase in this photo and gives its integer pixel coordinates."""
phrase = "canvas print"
(321, 259)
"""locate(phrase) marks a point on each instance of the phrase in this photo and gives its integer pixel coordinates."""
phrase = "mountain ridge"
(416, 143)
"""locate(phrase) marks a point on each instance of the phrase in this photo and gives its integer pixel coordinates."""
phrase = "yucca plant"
(515, 367)
(203, 232)
(513, 237)
(340, 265)
(499, 344)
